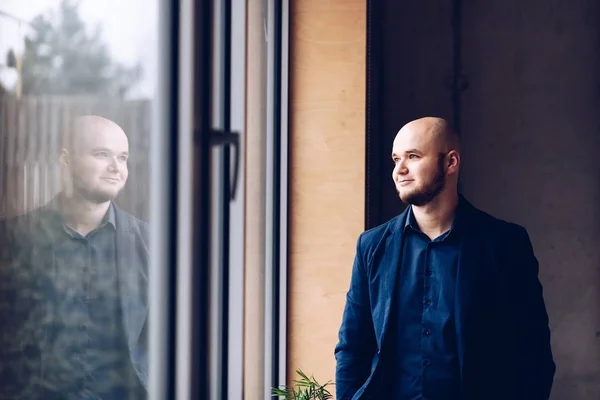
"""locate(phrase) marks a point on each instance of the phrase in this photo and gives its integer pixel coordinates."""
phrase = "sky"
(130, 29)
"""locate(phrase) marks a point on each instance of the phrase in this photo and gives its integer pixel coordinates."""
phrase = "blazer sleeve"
(537, 367)
(356, 347)
(19, 355)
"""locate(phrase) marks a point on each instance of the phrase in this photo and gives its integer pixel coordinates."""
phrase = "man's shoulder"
(136, 222)
(23, 236)
(30, 221)
(498, 228)
(480, 223)
(373, 238)
(378, 232)
(128, 222)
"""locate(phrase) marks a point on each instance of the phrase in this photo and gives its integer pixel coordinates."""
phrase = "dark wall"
(530, 126)
(410, 74)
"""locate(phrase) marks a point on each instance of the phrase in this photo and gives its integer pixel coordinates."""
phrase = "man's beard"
(95, 195)
(430, 190)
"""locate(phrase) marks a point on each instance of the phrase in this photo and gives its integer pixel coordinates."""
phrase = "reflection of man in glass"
(77, 279)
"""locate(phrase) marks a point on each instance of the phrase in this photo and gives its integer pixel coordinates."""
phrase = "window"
(143, 187)
(78, 90)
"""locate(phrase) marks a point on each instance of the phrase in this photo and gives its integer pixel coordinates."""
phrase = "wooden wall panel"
(327, 179)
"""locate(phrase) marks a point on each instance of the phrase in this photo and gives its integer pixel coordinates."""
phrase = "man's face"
(419, 172)
(98, 160)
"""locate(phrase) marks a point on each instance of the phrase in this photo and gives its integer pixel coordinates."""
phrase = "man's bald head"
(436, 129)
(82, 129)
(426, 156)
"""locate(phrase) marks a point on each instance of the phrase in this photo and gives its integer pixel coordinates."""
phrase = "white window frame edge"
(237, 206)
(283, 261)
(218, 202)
(185, 205)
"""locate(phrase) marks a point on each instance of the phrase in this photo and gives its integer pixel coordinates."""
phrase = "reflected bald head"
(84, 128)
(94, 157)
(434, 130)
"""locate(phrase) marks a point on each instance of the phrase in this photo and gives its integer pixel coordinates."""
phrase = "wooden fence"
(30, 138)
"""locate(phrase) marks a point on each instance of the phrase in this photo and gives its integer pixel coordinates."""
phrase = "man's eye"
(122, 158)
(412, 156)
(102, 154)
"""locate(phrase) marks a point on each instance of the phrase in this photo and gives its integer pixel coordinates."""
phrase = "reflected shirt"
(89, 358)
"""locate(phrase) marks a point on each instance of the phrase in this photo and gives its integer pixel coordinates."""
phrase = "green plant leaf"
(306, 388)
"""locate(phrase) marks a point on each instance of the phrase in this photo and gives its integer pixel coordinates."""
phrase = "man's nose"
(400, 168)
(113, 166)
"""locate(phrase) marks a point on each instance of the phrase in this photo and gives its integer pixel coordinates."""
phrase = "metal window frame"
(190, 291)
(199, 348)
(276, 232)
(227, 262)
(163, 194)
(180, 207)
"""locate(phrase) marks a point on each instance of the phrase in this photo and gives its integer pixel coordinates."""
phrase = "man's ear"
(453, 159)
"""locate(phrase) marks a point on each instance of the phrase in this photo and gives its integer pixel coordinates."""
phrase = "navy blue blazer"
(501, 319)
(27, 291)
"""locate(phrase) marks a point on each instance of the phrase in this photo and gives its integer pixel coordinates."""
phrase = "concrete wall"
(531, 139)
(531, 128)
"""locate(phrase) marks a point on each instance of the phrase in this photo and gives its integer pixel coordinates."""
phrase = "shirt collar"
(110, 216)
(411, 221)
(55, 208)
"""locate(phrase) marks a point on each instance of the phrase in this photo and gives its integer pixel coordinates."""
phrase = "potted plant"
(306, 388)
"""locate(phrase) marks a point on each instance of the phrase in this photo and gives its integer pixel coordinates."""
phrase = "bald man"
(74, 281)
(444, 300)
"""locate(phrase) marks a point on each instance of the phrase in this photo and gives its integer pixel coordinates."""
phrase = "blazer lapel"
(389, 271)
(132, 279)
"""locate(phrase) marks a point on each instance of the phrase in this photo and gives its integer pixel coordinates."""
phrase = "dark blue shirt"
(89, 358)
(424, 363)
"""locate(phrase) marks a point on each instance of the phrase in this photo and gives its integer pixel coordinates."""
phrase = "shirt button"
(427, 302)
(428, 272)
(427, 332)
(426, 363)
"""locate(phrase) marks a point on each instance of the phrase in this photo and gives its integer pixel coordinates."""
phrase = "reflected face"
(98, 160)
(419, 172)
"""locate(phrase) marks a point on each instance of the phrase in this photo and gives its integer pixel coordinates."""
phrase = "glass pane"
(77, 83)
